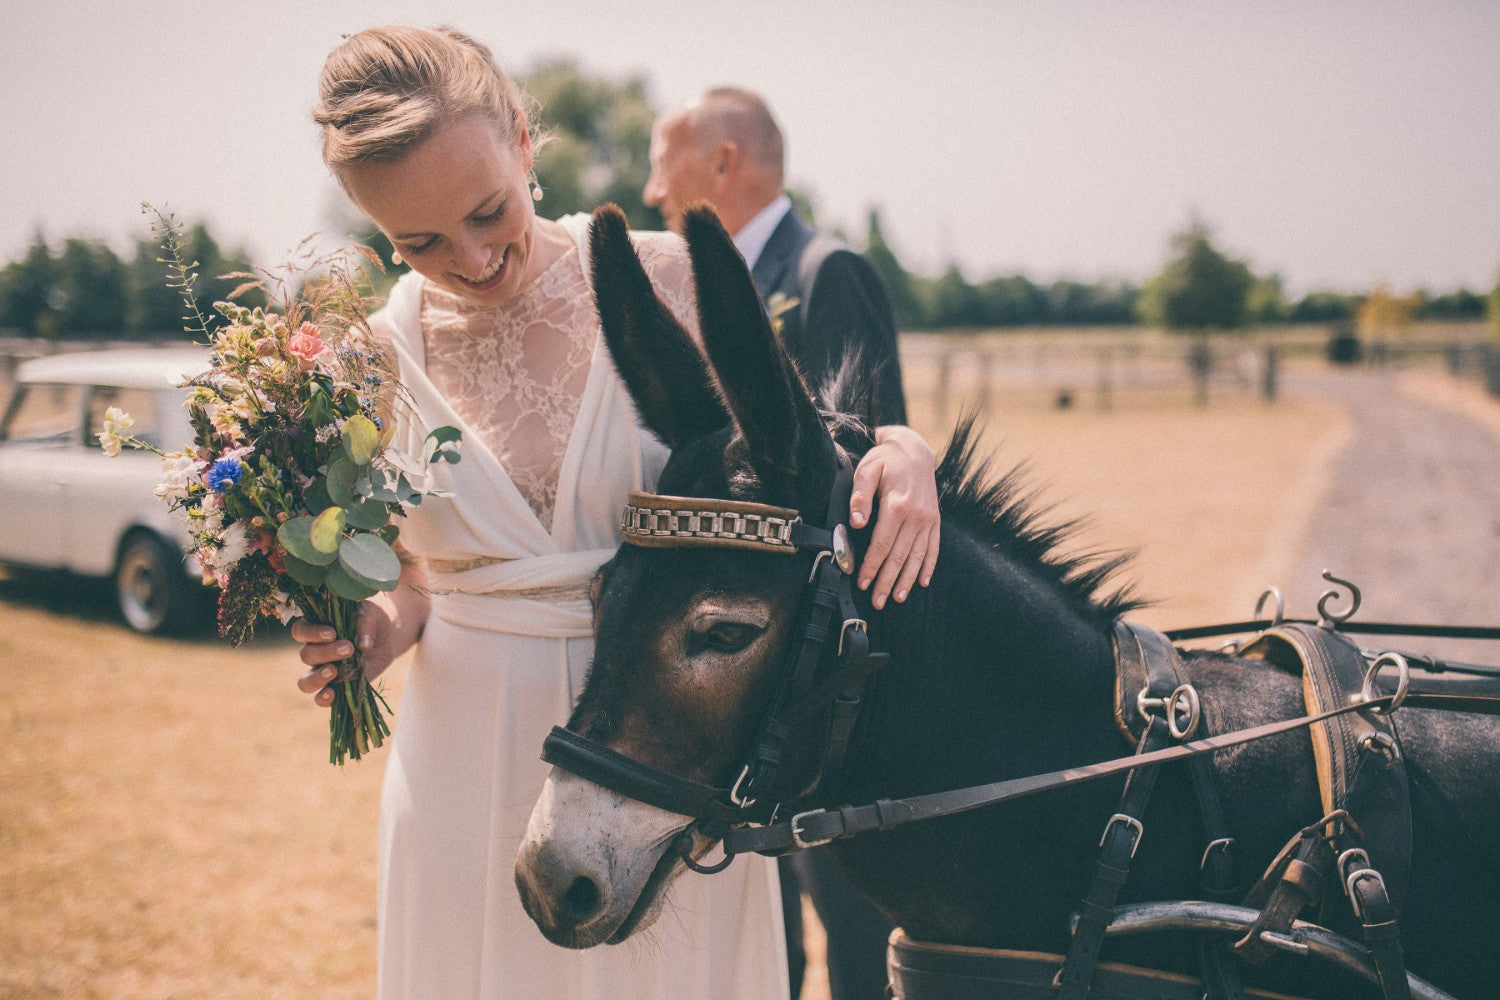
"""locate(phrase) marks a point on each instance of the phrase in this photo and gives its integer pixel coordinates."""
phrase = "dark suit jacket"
(849, 307)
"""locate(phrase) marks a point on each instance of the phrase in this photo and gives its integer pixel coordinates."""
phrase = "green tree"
(954, 301)
(1460, 305)
(27, 302)
(90, 289)
(1013, 301)
(1492, 304)
(904, 298)
(1266, 302)
(156, 309)
(1199, 289)
(1324, 307)
(598, 145)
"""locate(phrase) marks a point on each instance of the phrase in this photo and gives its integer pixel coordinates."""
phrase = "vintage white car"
(65, 505)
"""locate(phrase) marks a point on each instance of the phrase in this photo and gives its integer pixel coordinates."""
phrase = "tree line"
(596, 151)
(87, 291)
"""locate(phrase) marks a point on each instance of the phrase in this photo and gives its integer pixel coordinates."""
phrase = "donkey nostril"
(582, 902)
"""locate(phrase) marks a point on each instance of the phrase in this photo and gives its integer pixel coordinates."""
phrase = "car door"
(41, 436)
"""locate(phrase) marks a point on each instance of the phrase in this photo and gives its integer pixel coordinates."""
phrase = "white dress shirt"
(753, 236)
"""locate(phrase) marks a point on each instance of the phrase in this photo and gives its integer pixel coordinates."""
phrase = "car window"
(43, 412)
(141, 404)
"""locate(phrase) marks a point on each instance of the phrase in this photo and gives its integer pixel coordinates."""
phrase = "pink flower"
(305, 345)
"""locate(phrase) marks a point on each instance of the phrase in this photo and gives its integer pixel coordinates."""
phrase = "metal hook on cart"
(1333, 619)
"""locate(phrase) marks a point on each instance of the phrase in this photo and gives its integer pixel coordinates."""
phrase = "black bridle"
(825, 669)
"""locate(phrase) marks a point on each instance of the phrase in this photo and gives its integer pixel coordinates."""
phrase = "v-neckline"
(564, 507)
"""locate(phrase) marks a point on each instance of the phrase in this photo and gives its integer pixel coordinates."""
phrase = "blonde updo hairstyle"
(385, 90)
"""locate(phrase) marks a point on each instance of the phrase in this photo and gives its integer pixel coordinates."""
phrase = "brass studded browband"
(656, 521)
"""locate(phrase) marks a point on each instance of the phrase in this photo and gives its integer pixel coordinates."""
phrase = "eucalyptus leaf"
(390, 533)
(304, 573)
(366, 514)
(342, 473)
(346, 586)
(361, 438)
(326, 528)
(446, 441)
(316, 497)
(369, 558)
(383, 485)
(296, 537)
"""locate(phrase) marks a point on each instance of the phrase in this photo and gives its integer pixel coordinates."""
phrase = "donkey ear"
(766, 396)
(662, 367)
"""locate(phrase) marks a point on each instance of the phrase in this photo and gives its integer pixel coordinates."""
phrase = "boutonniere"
(778, 305)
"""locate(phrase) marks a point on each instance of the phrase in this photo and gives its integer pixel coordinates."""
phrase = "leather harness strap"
(824, 825)
(1148, 665)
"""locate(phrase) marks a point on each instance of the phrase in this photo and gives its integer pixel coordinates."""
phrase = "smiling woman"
(495, 329)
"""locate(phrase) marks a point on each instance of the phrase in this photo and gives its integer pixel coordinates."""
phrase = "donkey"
(1002, 668)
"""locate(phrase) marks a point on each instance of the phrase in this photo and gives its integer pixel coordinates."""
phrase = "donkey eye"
(723, 637)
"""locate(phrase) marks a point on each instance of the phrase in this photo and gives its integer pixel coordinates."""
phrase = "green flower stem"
(355, 720)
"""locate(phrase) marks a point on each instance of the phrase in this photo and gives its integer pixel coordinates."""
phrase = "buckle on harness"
(797, 834)
(1130, 821)
(735, 793)
(858, 624)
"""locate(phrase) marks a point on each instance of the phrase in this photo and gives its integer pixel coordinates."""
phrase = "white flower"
(115, 421)
(210, 518)
(179, 471)
(234, 546)
(286, 609)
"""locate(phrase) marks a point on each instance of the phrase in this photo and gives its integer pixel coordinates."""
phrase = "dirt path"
(1412, 510)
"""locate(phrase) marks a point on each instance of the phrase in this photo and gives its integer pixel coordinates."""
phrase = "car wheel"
(155, 596)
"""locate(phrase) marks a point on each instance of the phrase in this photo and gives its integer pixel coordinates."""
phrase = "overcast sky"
(1336, 143)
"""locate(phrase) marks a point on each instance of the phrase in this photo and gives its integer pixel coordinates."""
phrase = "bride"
(495, 331)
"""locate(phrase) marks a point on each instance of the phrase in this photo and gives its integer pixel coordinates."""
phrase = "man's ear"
(727, 158)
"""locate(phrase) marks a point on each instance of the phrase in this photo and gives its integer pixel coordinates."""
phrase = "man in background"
(725, 148)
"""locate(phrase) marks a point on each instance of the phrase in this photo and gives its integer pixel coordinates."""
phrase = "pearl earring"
(396, 258)
(536, 187)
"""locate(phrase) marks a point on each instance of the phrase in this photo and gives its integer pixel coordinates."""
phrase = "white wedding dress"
(552, 445)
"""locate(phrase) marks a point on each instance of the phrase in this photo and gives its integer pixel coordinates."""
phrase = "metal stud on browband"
(654, 521)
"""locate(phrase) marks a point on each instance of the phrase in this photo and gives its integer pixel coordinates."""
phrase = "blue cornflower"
(225, 473)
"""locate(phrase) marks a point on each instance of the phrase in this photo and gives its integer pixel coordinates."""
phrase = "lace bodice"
(516, 372)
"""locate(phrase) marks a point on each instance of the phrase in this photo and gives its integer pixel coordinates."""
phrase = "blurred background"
(1227, 275)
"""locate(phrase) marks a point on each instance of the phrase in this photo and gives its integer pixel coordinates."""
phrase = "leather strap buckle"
(797, 834)
(1130, 821)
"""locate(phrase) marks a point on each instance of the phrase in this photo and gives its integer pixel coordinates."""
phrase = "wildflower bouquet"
(289, 484)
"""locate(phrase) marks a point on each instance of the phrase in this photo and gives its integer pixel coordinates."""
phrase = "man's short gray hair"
(740, 116)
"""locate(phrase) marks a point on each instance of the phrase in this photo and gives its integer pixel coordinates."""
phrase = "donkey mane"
(1005, 511)
(1000, 510)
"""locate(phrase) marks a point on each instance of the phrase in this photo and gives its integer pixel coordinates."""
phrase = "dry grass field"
(169, 826)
